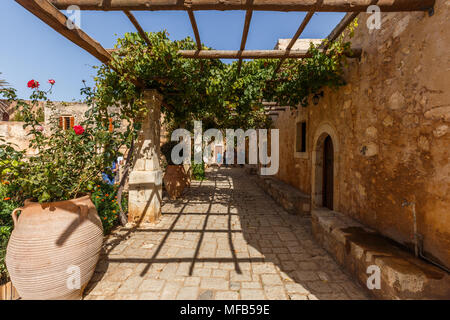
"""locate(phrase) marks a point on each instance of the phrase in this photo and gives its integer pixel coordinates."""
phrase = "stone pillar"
(145, 181)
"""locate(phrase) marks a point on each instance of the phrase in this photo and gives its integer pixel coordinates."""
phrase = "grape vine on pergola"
(49, 12)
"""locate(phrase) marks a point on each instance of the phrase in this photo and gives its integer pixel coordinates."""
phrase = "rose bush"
(78, 130)
(68, 163)
(33, 84)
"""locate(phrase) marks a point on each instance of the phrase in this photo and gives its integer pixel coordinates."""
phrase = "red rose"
(33, 84)
(51, 81)
(78, 130)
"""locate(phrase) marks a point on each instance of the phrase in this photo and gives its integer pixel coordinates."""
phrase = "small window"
(66, 122)
(300, 143)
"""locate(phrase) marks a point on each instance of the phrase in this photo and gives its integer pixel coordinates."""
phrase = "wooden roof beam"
(348, 18)
(138, 27)
(246, 54)
(300, 30)
(258, 5)
(195, 29)
(45, 11)
(248, 18)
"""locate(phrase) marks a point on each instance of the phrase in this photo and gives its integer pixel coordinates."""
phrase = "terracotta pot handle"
(14, 216)
(84, 210)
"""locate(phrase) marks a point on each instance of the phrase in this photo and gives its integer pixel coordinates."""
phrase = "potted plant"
(175, 176)
(57, 235)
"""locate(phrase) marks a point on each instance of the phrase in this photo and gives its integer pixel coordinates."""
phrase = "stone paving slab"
(224, 239)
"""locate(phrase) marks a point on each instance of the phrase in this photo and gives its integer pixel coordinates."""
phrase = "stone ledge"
(355, 247)
(291, 199)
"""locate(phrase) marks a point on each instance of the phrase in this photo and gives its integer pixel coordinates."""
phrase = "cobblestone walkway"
(225, 239)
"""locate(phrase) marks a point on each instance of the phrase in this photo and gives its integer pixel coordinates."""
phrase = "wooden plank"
(300, 30)
(259, 5)
(195, 29)
(246, 54)
(248, 18)
(45, 11)
(138, 27)
(348, 18)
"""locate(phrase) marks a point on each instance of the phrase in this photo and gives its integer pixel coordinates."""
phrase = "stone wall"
(73, 109)
(390, 132)
(13, 132)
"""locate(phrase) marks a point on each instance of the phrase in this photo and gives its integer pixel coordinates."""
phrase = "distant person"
(118, 169)
(110, 178)
(219, 158)
(225, 158)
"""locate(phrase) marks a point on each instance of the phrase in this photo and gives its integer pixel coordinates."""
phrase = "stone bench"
(355, 247)
(291, 199)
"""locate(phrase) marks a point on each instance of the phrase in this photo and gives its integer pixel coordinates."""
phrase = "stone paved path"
(225, 239)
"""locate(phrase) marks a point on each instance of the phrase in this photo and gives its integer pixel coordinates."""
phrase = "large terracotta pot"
(49, 243)
(175, 180)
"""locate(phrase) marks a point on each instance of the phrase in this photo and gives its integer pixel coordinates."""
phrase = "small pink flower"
(78, 130)
(51, 81)
(40, 128)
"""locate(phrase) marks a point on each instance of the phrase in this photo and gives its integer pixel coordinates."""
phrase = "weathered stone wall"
(13, 132)
(10, 107)
(390, 131)
(73, 109)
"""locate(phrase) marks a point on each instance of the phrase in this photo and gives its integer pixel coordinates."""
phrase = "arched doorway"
(328, 173)
(325, 168)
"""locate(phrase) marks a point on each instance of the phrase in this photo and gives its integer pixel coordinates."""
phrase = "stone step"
(291, 199)
(357, 248)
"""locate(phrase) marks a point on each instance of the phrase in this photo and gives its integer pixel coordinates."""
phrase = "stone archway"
(324, 131)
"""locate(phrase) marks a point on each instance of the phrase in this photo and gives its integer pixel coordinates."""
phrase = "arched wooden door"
(328, 173)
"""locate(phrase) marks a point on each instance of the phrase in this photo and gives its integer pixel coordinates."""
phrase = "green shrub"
(7, 205)
(105, 199)
(198, 171)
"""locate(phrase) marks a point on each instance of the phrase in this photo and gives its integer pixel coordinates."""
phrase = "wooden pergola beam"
(300, 30)
(195, 29)
(248, 18)
(138, 27)
(246, 54)
(348, 18)
(258, 5)
(45, 11)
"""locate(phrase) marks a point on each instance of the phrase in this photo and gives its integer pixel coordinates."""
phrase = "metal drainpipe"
(418, 248)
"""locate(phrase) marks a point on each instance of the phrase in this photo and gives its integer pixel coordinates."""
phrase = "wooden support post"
(145, 181)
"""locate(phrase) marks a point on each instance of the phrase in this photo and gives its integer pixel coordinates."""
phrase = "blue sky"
(32, 50)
